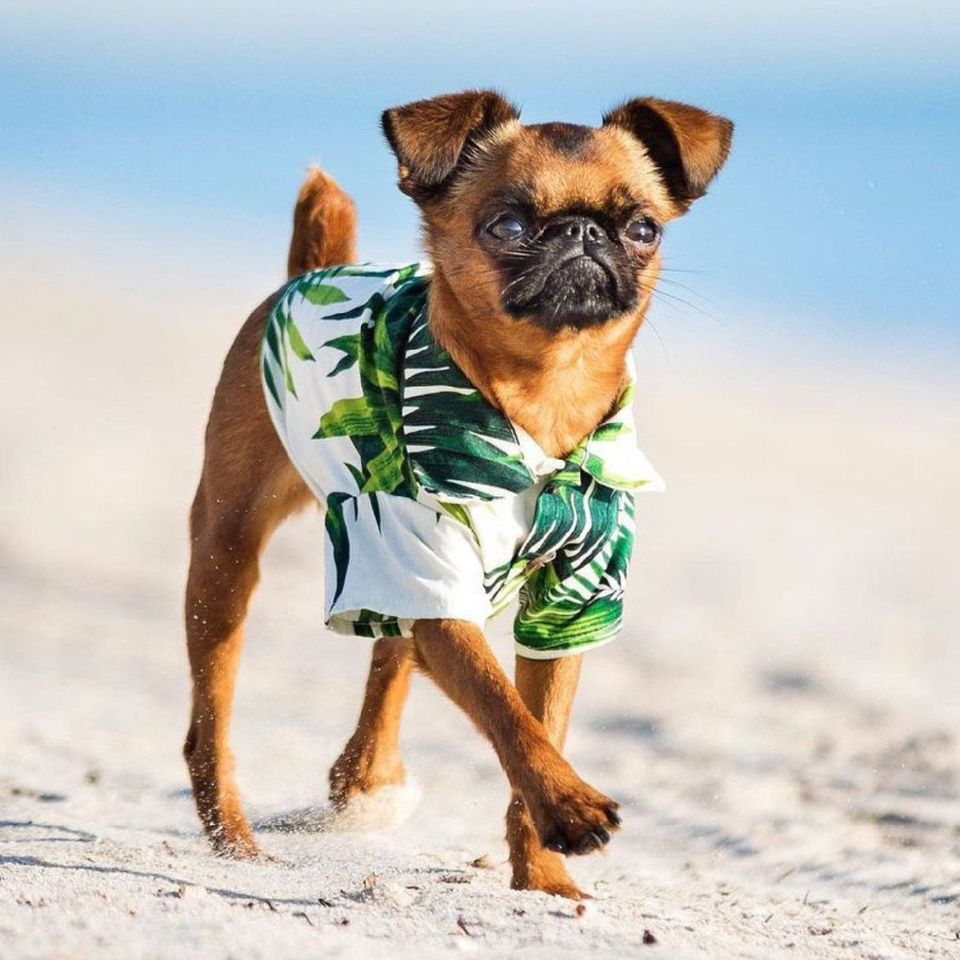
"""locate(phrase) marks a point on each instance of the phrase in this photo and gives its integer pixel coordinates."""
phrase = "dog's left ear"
(431, 138)
(688, 145)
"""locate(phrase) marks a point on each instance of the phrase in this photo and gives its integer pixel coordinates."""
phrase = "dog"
(467, 429)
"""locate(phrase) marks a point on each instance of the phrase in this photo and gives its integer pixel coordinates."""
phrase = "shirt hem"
(531, 653)
(374, 630)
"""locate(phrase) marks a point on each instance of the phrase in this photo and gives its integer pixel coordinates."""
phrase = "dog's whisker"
(663, 295)
(647, 322)
(683, 286)
(701, 272)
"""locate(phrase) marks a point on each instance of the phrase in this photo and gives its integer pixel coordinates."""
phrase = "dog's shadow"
(388, 807)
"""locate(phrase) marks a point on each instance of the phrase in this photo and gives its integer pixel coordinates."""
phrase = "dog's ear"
(688, 145)
(431, 138)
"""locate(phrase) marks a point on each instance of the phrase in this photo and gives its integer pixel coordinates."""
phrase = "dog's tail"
(324, 225)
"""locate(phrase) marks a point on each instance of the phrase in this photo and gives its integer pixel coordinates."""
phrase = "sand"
(777, 720)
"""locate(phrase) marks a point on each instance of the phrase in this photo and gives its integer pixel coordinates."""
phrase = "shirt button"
(537, 562)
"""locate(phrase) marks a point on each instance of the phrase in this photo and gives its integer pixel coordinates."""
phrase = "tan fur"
(248, 486)
(547, 687)
(430, 135)
(688, 144)
(324, 225)
(565, 810)
(371, 758)
(558, 386)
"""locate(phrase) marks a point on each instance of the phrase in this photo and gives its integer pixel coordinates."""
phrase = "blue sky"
(192, 123)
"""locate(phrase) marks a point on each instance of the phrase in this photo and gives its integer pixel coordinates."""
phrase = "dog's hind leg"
(371, 758)
(247, 488)
(547, 687)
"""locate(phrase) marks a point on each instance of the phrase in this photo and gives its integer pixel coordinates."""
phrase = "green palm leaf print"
(459, 444)
(402, 423)
(373, 421)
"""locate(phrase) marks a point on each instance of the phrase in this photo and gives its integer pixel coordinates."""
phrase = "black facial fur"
(572, 269)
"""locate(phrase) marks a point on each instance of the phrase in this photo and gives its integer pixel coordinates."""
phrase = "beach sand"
(777, 719)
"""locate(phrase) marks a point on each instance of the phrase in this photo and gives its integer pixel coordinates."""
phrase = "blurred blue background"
(185, 127)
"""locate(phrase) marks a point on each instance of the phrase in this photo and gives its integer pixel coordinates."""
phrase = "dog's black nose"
(580, 230)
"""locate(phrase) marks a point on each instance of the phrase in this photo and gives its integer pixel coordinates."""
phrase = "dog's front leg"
(371, 758)
(570, 816)
(547, 687)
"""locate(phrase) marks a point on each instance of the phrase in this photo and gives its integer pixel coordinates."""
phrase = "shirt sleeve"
(390, 560)
(573, 603)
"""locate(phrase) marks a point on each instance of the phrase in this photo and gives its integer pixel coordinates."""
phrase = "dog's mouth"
(581, 290)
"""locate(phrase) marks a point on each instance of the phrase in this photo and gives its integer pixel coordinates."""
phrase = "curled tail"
(324, 225)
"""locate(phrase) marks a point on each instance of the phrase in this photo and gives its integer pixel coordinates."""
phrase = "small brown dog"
(545, 248)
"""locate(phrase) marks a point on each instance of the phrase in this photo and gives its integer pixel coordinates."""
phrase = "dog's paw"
(355, 776)
(577, 822)
(235, 846)
(545, 873)
(561, 888)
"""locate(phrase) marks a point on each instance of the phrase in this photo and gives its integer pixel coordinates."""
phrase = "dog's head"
(555, 224)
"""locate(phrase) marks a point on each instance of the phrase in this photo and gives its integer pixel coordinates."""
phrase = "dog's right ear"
(431, 138)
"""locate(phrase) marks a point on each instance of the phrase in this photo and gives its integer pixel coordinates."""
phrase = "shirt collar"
(611, 454)
(462, 449)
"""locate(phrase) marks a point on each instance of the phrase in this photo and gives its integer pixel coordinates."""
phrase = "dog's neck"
(558, 386)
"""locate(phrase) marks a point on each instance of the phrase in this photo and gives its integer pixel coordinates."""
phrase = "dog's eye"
(507, 227)
(642, 231)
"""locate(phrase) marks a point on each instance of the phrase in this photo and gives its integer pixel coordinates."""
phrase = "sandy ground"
(777, 720)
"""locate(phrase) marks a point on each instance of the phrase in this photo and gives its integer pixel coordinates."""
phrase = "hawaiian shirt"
(437, 505)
